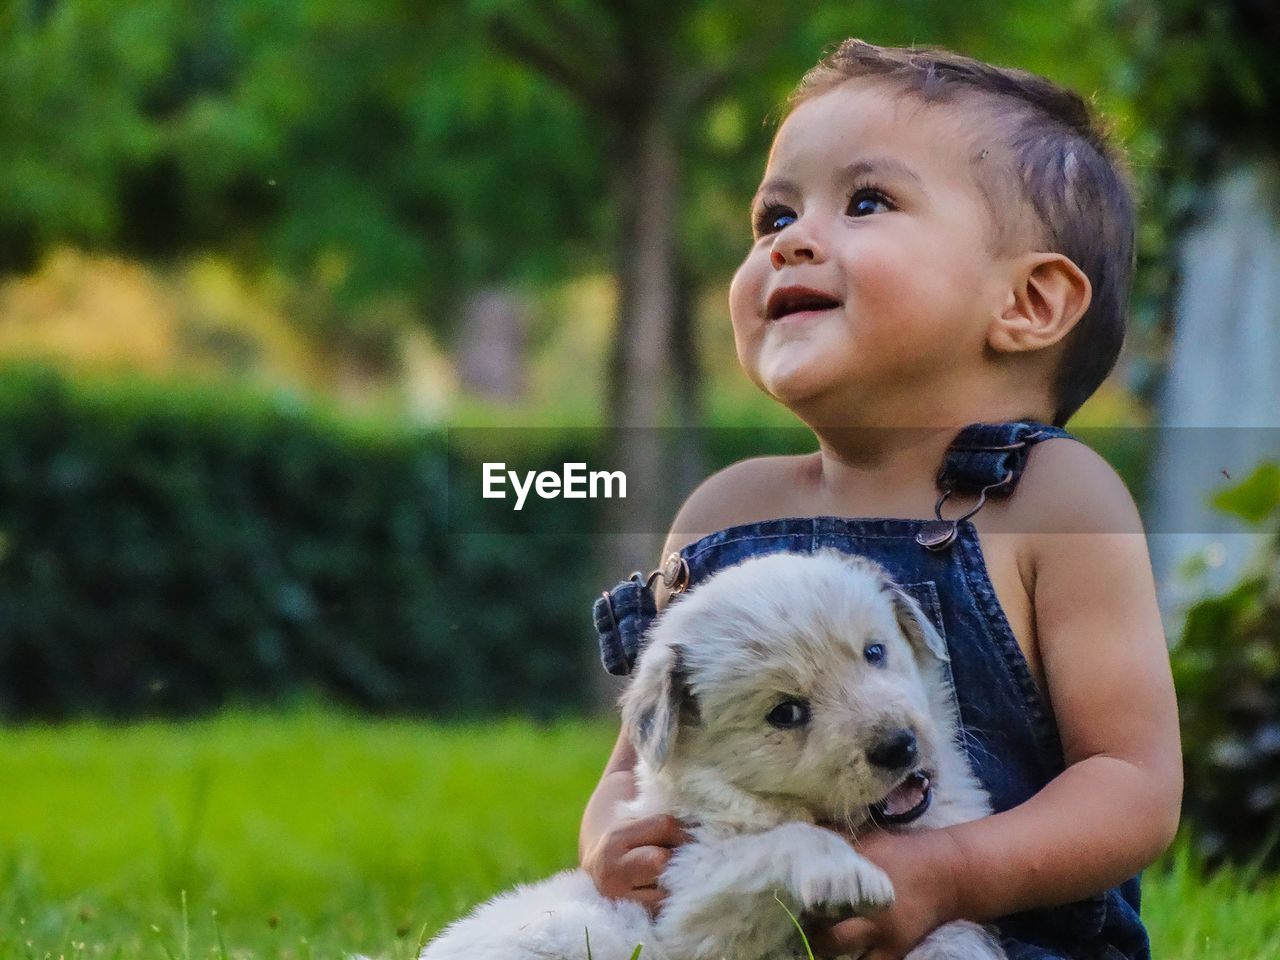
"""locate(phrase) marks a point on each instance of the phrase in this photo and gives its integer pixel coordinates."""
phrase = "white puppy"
(784, 691)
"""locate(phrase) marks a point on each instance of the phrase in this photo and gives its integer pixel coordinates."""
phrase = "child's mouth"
(797, 303)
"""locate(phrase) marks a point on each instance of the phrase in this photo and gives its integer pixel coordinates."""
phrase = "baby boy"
(938, 242)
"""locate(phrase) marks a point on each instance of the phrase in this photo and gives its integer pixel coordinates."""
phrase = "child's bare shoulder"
(1089, 570)
(1067, 487)
(743, 492)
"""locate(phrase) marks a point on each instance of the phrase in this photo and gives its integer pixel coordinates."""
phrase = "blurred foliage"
(1227, 669)
(329, 138)
(204, 318)
(107, 315)
(168, 551)
(390, 157)
(73, 78)
(1210, 84)
(397, 148)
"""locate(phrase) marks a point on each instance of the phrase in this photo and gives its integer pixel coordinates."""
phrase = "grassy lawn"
(313, 834)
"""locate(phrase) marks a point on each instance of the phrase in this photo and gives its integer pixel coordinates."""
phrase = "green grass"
(309, 834)
(314, 834)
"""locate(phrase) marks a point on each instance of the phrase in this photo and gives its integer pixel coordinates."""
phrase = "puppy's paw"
(842, 886)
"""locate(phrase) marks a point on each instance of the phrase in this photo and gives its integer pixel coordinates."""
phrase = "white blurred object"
(492, 342)
(1220, 409)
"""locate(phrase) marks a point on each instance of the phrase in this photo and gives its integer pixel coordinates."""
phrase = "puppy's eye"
(788, 714)
(874, 653)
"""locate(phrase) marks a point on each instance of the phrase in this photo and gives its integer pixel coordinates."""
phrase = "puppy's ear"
(915, 623)
(653, 704)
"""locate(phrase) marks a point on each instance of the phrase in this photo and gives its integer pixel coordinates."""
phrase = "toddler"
(937, 281)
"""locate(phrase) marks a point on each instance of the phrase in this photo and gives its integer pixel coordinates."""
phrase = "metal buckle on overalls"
(674, 573)
(940, 534)
(675, 577)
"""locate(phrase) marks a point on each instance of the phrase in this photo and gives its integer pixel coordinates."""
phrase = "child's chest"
(1008, 570)
(1004, 553)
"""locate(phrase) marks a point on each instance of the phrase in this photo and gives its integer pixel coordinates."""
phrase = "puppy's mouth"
(906, 802)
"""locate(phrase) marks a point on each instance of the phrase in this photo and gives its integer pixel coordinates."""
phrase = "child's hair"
(1066, 169)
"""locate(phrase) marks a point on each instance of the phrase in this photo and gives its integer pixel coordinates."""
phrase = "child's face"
(868, 201)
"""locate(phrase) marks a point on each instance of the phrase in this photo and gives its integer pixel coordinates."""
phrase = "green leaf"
(1253, 499)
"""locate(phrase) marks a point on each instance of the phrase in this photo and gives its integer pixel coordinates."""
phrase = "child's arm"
(1115, 807)
(625, 857)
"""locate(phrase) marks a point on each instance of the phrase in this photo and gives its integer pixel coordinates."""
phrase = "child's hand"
(922, 867)
(629, 858)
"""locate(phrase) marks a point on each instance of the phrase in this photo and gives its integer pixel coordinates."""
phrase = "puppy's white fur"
(782, 627)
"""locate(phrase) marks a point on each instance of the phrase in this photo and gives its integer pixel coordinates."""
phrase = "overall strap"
(992, 455)
(623, 614)
(986, 459)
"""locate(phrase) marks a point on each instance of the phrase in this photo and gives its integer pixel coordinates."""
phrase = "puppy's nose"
(896, 751)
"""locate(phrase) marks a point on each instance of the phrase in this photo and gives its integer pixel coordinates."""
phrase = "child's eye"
(866, 200)
(773, 218)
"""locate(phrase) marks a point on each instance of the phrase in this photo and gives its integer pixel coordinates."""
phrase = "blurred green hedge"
(167, 551)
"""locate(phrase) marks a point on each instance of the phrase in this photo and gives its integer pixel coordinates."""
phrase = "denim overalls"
(1009, 734)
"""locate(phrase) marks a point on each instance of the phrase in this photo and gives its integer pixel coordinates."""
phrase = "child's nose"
(791, 248)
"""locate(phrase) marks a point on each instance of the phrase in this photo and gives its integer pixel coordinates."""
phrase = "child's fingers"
(643, 865)
(632, 856)
(852, 937)
(660, 830)
(650, 898)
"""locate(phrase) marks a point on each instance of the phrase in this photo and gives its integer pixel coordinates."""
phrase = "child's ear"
(1048, 297)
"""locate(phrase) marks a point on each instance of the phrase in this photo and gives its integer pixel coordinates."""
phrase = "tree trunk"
(641, 391)
(689, 453)
(647, 194)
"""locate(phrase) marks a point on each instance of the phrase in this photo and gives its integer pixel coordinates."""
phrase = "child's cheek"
(880, 284)
(745, 295)
(746, 291)
(893, 285)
